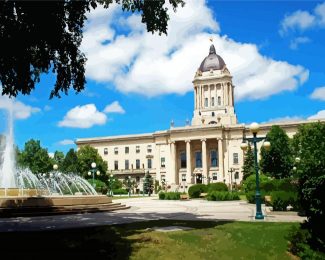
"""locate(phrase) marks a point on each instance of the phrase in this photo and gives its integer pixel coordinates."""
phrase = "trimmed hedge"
(218, 186)
(169, 195)
(281, 199)
(250, 196)
(195, 190)
(120, 192)
(100, 186)
(222, 196)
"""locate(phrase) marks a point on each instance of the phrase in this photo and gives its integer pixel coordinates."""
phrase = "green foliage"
(195, 190)
(70, 163)
(120, 191)
(250, 196)
(278, 160)
(86, 155)
(34, 157)
(249, 167)
(218, 186)
(54, 30)
(250, 183)
(169, 195)
(222, 196)
(299, 238)
(309, 145)
(98, 185)
(280, 200)
(148, 183)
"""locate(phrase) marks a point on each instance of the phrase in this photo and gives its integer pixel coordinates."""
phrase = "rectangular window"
(206, 102)
(215, 176)
(105, 151)
(183, 177)
(137, 149)
(127, 149)
(183, 159)
(137, 164)
(236, 175)
(198, 159)
(219, 101)
(235, 158)
(116, 150)
(115, 165)
(212, 101)
(162, 162)
(149, 163)
(137, 178)
(149, 149)
(213, 157)
(126, 164)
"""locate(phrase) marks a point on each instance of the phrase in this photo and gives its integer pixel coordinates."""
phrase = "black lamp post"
(254, 128)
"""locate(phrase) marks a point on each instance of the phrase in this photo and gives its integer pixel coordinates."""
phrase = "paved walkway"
(148, 209)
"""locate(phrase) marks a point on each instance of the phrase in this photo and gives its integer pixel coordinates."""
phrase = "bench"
(184, 197)
(203, 195)
(267, 200)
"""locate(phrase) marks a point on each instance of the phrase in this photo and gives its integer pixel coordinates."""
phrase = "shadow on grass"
(106, 242)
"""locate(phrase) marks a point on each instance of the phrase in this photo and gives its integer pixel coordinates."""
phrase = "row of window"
(206, 102)
(127, 149)
(137, 164)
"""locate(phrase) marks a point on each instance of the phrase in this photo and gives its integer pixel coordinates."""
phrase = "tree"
(70, 162)
(87, 155)
(248, 168)
(34, 157)
(309, 146)
(58, 158)
(277, 161)
(43, 36)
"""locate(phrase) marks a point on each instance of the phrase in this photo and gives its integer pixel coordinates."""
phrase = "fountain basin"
(7, 192)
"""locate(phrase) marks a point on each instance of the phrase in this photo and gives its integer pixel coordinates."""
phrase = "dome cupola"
(212, 62)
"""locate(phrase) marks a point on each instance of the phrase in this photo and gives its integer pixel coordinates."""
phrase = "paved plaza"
(149, 208)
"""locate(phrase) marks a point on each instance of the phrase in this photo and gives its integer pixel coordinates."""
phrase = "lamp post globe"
(51, 175)
(89, 173)
(244, 146)
(294, 168)
(111, 175)
(267, 145)
(93, 165)
(55, 167)
(98, 173)
(297, 159)
(254, 128)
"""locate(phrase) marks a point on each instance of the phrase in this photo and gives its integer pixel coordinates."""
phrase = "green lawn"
(118, 197)
(207, 240)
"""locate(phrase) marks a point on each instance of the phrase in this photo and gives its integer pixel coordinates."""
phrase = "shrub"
(287, 185)
(250, 196)
(120, 192)
(270, 186)
(218, 186)
(222, 196)
(100, 186)
(169, 195)
(250, 183)
(195, 190)
(281, 199)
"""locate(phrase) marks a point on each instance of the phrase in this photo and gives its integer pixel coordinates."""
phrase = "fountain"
(24, 193)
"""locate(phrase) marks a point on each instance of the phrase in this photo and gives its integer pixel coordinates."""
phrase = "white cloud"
(51, 154)
(303, 20)
(66, 142)
(114, 107)
(83, 117)
(20, 110)
(151, 65)
(319, 115)
(318, 93)
(285, 119)
(294, 44)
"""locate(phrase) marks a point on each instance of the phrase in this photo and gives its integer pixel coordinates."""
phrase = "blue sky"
(138, 83)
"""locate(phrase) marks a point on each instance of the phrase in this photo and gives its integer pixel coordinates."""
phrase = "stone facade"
(208, 150)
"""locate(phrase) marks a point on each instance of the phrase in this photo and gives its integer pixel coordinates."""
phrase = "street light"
(111, 180)
(128, 183)
(55, 167)
(254, 128)
(93, 171)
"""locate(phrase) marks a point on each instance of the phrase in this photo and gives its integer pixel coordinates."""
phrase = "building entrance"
(198, 178)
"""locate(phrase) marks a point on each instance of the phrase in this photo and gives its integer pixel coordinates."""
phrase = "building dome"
(212, 61)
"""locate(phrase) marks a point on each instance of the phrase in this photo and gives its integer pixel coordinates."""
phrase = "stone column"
(220, 158)
(204, 159)
(188, 161)
(210, 103)
(173, 162)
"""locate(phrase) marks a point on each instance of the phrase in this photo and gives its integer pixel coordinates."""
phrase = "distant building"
(208, 150)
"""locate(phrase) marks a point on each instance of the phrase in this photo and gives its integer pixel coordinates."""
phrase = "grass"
(207, 240)
(118, 197)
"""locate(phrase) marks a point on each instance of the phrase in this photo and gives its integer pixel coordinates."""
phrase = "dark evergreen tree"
(277, 162)
(248, 168)
(70, 162)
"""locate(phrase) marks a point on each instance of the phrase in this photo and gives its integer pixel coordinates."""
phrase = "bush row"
(195, 190)
(280, 200)
(169, 195)
(120, 192)
(222, 196)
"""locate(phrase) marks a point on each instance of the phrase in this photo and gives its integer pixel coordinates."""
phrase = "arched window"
(219, 101)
